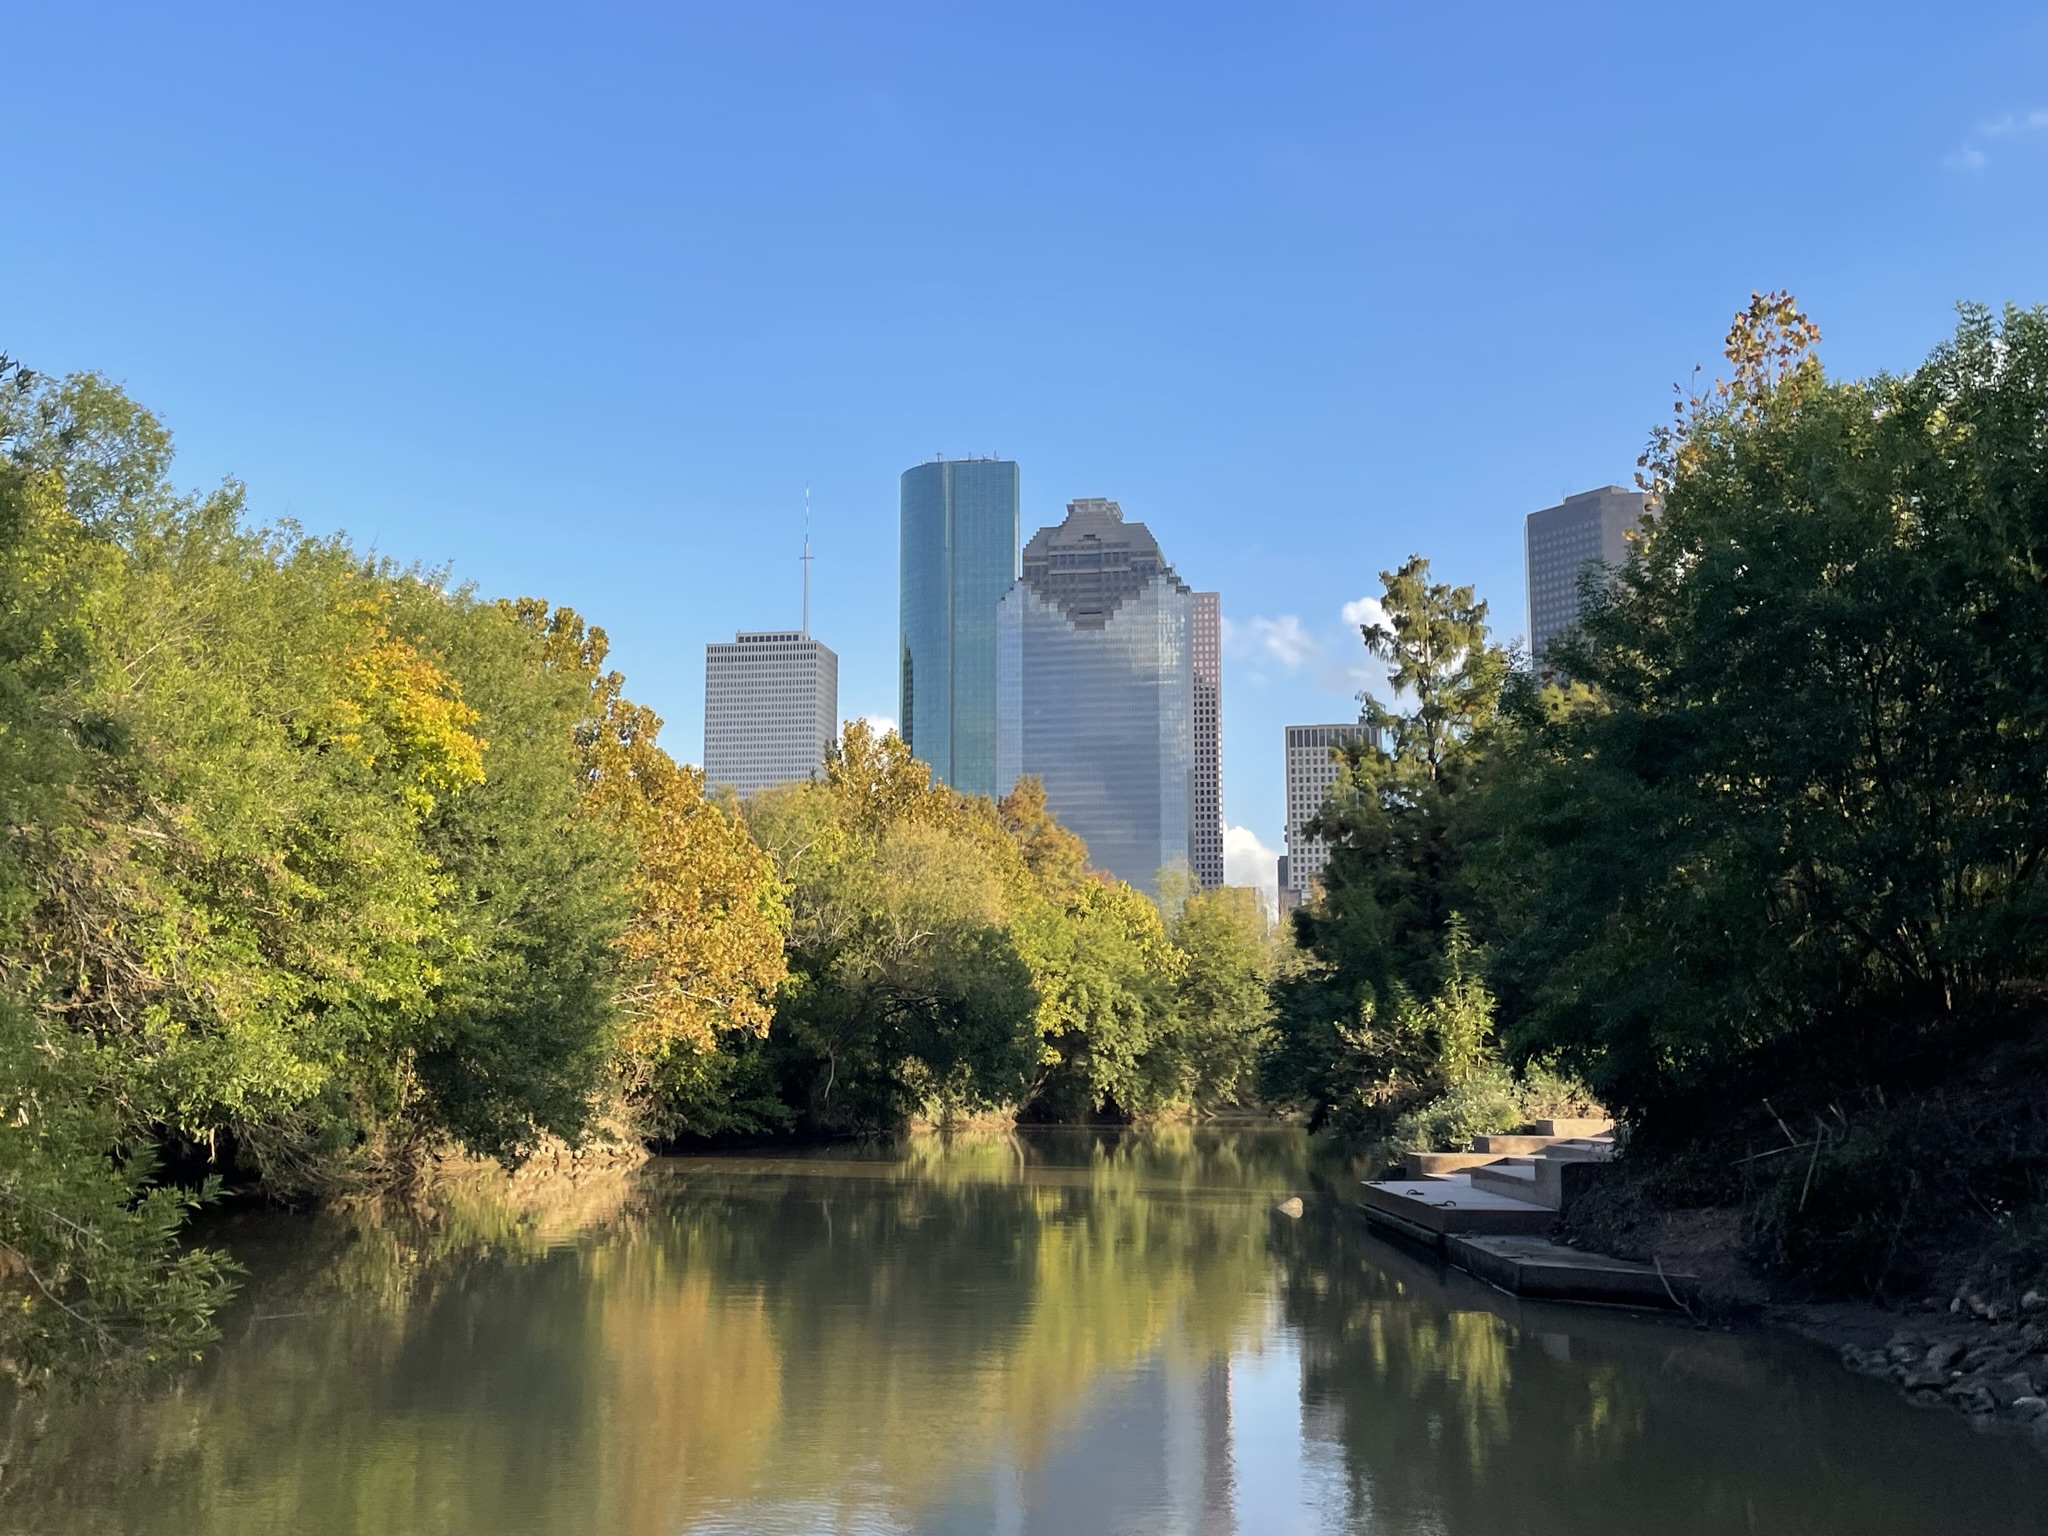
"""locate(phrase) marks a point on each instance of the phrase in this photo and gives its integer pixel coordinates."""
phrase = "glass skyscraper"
(1096, 689)
(959, 556)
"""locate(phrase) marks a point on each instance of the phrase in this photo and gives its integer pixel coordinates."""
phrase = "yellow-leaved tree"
(704, 948)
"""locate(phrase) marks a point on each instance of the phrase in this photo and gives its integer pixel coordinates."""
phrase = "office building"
(959, 556)
(1311, 770)
(1095, 681)
(1205, 835)
(1561, 541)
(771, 708)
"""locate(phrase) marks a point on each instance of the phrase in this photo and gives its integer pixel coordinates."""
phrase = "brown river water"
(1062, 1332)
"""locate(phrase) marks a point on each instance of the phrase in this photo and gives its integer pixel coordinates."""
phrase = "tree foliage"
(309, 865)
(1386, 929)
(1805, 795)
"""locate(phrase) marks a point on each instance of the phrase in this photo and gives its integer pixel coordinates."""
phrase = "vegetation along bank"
(317, 868)
(1757, 856)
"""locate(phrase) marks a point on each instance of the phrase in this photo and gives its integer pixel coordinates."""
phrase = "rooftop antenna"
(807, 560)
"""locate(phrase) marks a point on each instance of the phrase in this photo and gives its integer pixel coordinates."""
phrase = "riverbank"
(1956, 1347)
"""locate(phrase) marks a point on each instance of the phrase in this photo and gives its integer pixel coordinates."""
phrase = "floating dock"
(1490, 1211)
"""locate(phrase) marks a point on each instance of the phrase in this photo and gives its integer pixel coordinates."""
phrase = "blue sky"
(577, 299)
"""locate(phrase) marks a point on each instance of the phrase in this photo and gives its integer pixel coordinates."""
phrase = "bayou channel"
(1051, 1331)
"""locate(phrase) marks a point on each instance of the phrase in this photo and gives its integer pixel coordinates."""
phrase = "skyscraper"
(959, 556)
(1205, 832)
(1311, 770)
(771, 708)
(1561, 541)
(1096, 689)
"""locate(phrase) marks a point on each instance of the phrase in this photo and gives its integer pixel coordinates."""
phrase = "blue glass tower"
(959, 556)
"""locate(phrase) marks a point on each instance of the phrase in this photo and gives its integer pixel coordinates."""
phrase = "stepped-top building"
(1096, 689)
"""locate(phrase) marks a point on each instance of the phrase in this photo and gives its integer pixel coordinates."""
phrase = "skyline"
(1302, 305)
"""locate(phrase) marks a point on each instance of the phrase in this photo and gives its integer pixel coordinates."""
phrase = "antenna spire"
(807, 559)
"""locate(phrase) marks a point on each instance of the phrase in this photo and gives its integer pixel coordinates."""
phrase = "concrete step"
(1428, 1209)
(1539, 1179)
(1520, 1183)
(1574, 1127)
(1428, 1165)
(1517, 1144)
(1523, 1143)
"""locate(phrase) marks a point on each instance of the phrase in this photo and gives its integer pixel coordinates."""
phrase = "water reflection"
(1057, 1332)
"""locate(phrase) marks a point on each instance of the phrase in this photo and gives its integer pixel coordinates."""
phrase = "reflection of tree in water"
(1458, 1409)
(635, 1355)
(360, 1378)
(934, 1311)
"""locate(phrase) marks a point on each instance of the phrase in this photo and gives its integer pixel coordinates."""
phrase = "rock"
(1924, 1378)
(2033, 1301)
(1291, 1206)
(1982, 1355)
(2032, 1337)
(1866, 1362)
(1978, 1400)
(1956, 1305)
(2008, 1390)
(1940, 1357)
(2030, 1406)
(1924, 1398)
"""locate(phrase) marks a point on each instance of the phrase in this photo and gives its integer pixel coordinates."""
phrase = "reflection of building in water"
(1151, 1452)
(1217, 1482)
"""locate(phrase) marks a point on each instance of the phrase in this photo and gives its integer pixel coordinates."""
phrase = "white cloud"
(1247, 861)
(1281, 637)
(1364, 610)
(2010, 124)
(1972, 157)
(881, 725)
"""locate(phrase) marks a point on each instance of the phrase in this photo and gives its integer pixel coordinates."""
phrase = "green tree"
(1400, 820)
(1107, 1026)
(517, 1041)
(1798, 816)
(907, 997)
(1222, 995)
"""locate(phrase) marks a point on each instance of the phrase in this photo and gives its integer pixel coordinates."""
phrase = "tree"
(702, 954)
(1106, 1022)
(907, 997)
(1799, 817)
(1222, 993)
(1400, 820)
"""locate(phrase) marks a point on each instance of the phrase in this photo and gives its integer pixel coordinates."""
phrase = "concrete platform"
(1538, 1268)
(1429, 1210)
